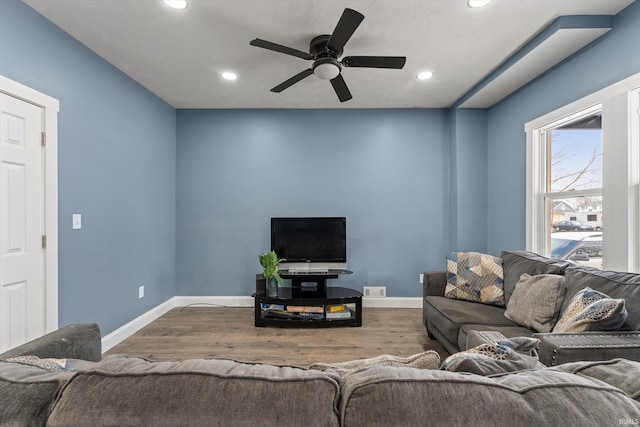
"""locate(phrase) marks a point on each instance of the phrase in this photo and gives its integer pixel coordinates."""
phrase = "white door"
(22, 270)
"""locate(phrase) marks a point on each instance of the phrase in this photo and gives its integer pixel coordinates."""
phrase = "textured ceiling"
(179, 55)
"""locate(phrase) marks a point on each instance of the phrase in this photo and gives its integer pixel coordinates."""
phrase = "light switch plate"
(76, 220)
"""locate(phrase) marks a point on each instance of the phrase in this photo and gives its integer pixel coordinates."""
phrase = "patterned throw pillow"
(51, 365)
(473, 276)
(591, 310)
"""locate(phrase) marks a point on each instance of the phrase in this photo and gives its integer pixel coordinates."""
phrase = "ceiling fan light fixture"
(424, 75)
(176, 4)
(474, 4)
(327, 69)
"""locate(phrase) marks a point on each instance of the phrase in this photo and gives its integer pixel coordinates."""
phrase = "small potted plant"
(269, 262)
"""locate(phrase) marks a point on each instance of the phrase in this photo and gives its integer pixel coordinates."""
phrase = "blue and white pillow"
(474, 276)
(590, 310)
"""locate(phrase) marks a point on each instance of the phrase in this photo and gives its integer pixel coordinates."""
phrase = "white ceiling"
(179, 55)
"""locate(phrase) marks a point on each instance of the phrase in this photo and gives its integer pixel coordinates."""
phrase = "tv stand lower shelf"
(299, 308)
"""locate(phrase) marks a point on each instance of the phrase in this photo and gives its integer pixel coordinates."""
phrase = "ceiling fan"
(325, 50)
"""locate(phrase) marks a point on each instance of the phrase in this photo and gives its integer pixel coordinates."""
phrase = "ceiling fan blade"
(341, 88)
(293, 80)
(396, 62)
(347, 25)
(279, 48)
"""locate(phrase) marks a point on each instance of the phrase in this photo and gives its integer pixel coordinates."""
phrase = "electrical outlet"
(141, 292)
(422, 278)
(375, 291)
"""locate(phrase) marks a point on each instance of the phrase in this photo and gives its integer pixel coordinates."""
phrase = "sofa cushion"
(27, 392)
(591, 310)
(505, 355)
(473, 276)
(450, 314)
(476, 338)
(616, 285)
(516, 263)
(384, 396)
(620, 373)
(129, 391)
(536, 301)
(507, 331)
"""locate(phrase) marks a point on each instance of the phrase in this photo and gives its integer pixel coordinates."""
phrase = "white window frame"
(620, 105)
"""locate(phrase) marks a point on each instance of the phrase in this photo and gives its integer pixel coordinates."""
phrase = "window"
(582, 160)
(573, 185)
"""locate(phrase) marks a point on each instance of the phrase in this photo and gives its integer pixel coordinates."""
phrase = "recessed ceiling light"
(425, 75)
(477, 3)
(176, 4)
(229, 76)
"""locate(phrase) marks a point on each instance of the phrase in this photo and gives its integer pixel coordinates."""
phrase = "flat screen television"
(315, 244)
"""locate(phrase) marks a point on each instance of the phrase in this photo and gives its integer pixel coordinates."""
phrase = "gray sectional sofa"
(204, 392)
(450, 320)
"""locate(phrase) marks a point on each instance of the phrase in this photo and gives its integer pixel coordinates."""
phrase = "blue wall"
(609, 59)
(468, 180)
(385, 170)
(182, 205)
(116, 167)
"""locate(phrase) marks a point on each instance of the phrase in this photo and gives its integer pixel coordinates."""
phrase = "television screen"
(310, 239)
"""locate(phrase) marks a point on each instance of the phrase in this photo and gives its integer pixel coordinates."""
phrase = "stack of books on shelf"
(276, 311)
(337, 311)
(299, 312)
(305, 309)
(307, 312)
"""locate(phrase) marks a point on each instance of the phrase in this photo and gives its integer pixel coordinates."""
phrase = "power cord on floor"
(213, 305)
(204, 303)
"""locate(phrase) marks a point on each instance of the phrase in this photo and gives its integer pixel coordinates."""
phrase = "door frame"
(50, 108)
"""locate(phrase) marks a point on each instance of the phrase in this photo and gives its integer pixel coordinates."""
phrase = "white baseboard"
(116, 337)
(124, 332)
(392, 302)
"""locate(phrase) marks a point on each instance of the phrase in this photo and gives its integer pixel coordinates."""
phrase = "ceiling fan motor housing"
(318, 48)
(326, 65)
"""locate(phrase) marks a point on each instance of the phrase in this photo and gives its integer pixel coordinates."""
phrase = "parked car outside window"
(571, 226)
(580, 248)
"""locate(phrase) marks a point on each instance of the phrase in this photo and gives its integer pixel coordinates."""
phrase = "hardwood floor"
(224, 332)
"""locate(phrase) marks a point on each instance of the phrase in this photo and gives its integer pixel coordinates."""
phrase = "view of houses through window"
(583, 179)
(573, 197)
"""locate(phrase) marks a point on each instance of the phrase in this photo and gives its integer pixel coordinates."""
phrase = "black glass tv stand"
(305, 279)
(308, 302)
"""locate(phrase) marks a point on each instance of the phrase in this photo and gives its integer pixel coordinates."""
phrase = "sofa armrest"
(434, 283)
(78, 341)
(558, 348)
